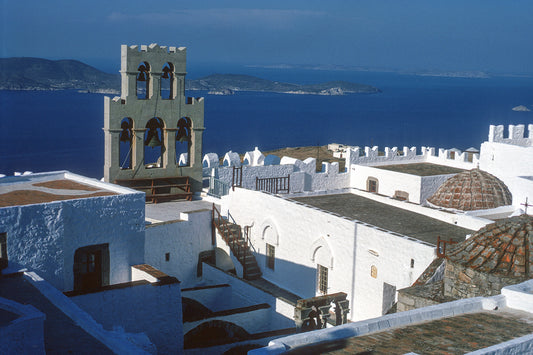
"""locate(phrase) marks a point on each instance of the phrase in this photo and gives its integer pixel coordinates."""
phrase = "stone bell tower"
(153, 133)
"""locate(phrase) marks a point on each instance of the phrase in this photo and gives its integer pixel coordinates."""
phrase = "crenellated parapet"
(303, 174)
(517, 135)
(374, 156)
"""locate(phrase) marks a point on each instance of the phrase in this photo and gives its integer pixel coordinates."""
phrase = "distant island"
(220, 83)
(521, 108)
(43, 74)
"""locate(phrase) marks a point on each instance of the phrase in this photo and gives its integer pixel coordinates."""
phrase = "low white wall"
(462, 220)
(118, 341)
(419, 188)
(44, 237)
(520, 296)
(303, 175)
(254, 321)
(282, 313)
(217, 298)
(25, 334)
(388, 181)
(152, 309)
(184, 240)
(522, 345)
(450, 309)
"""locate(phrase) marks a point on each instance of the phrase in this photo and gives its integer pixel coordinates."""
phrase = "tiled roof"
(472, 190)
(503, 248)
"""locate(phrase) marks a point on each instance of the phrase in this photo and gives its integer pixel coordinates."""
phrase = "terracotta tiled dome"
(472, 190)
(504, 248)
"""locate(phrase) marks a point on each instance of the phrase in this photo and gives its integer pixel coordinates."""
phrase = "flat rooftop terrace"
(453, 335)
(43, 188)
(421, 169)
(387, 217)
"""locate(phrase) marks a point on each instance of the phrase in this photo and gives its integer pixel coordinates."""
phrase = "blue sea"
(55, 130)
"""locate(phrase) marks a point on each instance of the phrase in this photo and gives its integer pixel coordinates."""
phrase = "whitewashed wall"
(298, 233)
(44, 237)
(391, 255)
(388, 181)
(216, 297)
(184, 240)
(305, 236)
(501, 159)
(253, 321)
(281, 312)
(152, 309)
(25, 334)
(513, 164)
(303, 175)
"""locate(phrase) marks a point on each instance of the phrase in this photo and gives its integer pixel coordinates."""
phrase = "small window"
(271, 256)
(412, 263)
(167, 256)
(322, 273)
(452, 155)
(401, 195)
(372, 185)
(374, 271)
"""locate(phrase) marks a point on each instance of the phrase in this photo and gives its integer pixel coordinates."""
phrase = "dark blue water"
(44, 131)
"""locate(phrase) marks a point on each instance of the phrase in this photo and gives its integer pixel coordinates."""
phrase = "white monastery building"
(175, 253)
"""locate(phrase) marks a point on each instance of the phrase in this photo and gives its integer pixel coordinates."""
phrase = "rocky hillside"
(43, 74)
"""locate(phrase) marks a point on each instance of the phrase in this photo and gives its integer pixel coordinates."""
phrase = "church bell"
(154, 141)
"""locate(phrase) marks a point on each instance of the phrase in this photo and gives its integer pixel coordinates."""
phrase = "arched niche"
(125, 148)
(143, 81)
(167, 83)
(183, 141)
(154, 143)
(320, 253)
(269, 232)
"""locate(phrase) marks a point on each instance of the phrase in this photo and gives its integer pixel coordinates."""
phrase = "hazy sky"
(457, 35)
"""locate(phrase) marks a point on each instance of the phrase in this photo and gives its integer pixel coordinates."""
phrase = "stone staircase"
(238, 243)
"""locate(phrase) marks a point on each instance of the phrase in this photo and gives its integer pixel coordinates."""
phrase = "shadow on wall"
(296, 278)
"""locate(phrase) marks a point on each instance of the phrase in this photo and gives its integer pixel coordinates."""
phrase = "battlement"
(155, 55)
(516, 135)
(155, 48)
(372, 156)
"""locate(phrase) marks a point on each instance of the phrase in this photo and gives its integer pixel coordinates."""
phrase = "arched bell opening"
(143, 81)
(126, 143)
(183, 142)
(154, 143)
(167, 82)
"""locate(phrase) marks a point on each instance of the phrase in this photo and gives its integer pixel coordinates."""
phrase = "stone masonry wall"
(464, 282)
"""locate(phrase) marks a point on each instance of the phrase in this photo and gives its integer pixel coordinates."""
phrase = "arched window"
(126, 143)
(143, 81)
(167, 82)
(183, 142)
(153, 143)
